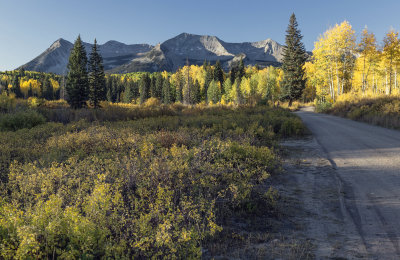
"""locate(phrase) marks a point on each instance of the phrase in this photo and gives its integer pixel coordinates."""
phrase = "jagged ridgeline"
(169, 55)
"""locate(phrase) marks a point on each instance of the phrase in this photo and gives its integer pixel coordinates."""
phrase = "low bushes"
(158, 186)
(21, 119)
(383, 111)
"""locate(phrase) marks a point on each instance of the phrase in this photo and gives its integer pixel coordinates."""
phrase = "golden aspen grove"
(348, 74)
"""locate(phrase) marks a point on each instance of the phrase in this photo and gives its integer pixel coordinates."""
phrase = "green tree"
(179, 86)
(159, 85)
(77, 77)
(213, 92)
(97, 82)
(16, 88)
(166, 92)
(153, 86)
(294, 57)
(187, 90)
(228, 95)
(47, 91)
(232, 73)
(218, 73)
(240, 73)
(144, 87)
(208, 78)
(196, 92)
(238, 96)
(128, 94)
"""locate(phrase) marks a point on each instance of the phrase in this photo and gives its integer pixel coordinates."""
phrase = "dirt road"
(363, 188)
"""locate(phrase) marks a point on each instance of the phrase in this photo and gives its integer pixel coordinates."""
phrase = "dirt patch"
(315, 199)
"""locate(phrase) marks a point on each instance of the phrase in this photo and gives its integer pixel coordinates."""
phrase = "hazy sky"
(28, 27)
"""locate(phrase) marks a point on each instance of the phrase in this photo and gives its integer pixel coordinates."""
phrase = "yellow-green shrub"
(154, 187)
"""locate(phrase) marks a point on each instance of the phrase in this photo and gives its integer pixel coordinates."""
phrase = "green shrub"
(19, 120)
(7, 102)
(383, 111)
(292, 127)
(323, 107)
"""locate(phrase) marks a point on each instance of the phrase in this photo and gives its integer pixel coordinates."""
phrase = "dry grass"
(383, 111)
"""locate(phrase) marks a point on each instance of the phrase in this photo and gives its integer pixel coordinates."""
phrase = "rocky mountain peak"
(170, 55)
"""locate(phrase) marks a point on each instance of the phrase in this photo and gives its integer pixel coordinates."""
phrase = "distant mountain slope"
(175, 52)
(169, 55)
(55, 58)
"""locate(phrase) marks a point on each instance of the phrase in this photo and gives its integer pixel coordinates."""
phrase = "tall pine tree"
(97, 81)
(144, 88)
(241, 71)
(208, 78)
(158, 85)
(77, 77)
(16, 88)
(166, 92)
(218, 73)
(179, 86)
(294, 57)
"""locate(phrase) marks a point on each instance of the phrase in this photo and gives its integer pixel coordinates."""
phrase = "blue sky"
(28, 27)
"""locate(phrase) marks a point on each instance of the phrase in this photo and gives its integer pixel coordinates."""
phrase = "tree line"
(25, 84)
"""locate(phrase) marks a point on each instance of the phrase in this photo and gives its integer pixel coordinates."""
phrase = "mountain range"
(169, 55)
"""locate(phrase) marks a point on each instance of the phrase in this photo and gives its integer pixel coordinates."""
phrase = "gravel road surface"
(366, 163)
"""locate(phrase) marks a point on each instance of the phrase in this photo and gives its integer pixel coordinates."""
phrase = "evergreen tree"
(47, 89)
(218, 73)
(179, 86)
(97, 81)
(240, 71)
(144, 88)
(187, 90)
(109, 95)
(114, 90)
(128, 94)
(153, 86)
(77, 77)
(16, 88)
(159, 85)
(134, 88)
(196, 92)
(30, 91)
(232, 73)
(208, 78)
(294, 57)
(166, 92)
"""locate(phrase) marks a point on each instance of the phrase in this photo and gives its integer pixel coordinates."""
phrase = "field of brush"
(133, 181)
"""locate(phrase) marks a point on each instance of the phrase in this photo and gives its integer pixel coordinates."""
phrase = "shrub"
(19, 120)
(152, 102)
(159, 186)
(323, 107)
(292, 127)
(36, 102)
(383, 111)
(7, 102)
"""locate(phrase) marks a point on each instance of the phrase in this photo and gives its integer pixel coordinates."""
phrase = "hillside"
(169, 55)
(55, 58)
